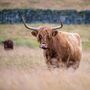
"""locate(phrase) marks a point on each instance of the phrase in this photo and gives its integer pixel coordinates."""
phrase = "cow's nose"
(43, 46)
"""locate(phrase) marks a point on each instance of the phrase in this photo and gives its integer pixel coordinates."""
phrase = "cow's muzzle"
(43, 46)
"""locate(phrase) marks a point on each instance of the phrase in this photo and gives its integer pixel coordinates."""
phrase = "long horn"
(58, 27)
(28, 27)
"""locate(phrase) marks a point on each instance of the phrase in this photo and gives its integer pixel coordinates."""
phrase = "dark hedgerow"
(45, 16)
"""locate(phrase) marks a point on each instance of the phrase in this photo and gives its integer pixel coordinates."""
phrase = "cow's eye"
(39, 38)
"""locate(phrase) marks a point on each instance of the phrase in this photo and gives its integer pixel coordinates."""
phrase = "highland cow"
(61, 49)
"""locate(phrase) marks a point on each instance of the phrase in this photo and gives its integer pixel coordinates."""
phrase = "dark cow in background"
(61, 49)
(8, 44)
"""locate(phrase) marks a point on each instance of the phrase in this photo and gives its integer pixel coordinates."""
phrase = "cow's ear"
(54, 33)
(34, 33)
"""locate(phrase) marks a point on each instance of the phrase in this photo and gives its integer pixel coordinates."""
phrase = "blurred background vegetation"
(46, 4)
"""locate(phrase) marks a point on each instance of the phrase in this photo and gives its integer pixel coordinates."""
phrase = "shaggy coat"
(61, 49)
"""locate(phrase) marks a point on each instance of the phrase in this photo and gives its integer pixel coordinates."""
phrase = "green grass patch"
(26, 42)
(86, 45)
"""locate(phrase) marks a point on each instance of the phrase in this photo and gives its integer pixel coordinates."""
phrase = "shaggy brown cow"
(8, 44)
(61, 49)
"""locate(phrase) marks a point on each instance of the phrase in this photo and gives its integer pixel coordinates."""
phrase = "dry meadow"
(24, 67)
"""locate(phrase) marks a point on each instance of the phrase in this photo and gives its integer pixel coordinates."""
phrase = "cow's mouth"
(43, 46)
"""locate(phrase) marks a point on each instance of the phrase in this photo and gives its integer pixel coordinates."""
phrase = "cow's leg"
(54, 62)
(59, 63)
(48, 62)
(76, 64)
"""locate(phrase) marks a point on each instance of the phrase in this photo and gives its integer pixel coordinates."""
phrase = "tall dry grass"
(24, 68)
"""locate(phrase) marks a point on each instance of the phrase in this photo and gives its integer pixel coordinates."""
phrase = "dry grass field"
(46, 4)
(24, 67)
